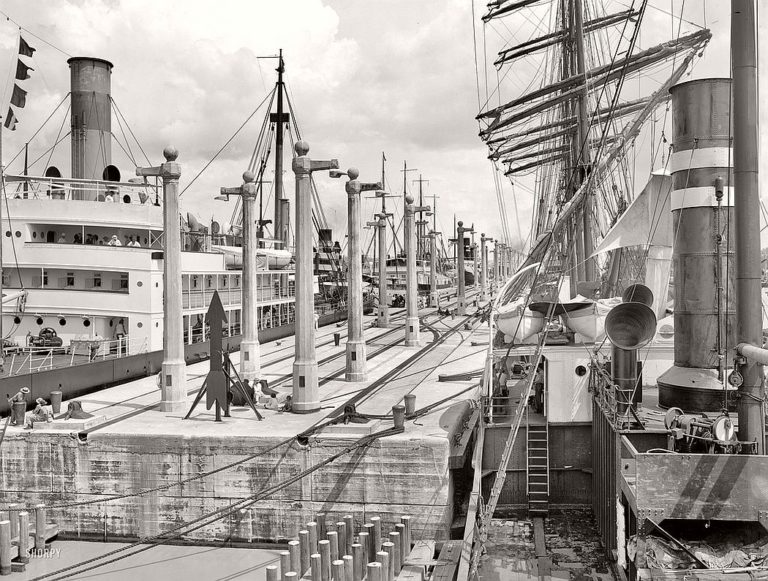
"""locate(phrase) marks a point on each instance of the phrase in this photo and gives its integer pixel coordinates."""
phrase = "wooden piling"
(312, 528)
(13, 516)
(24, 536)
(337, 570)
(333, 539)
(317, 567)
(389, 549)
(305, 552)
(272, 573)
(363, 536)
(397, 558)
(369, 528)
(406, 520)
(376, 521)
(349, 567)
(383, 558)
(374, 572)
(39, 527)
(358, 561)
(325, 559)
(341, 531)
(292, 576)
(404, 551)
(285, 563)
(5, 547)
(349, 523)
(295, 551)
(321, 525)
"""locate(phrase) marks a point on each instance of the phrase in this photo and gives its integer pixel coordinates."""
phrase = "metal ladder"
(538, 469)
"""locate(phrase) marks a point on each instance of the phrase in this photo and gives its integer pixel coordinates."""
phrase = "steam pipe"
(748, 300)
(753, 353)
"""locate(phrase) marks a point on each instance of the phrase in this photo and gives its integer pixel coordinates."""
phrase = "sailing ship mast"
(281, 204)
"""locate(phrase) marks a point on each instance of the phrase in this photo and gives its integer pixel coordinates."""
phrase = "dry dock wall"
(394, 476)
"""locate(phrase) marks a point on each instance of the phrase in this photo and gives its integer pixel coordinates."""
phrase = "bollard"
(337, 339)
(285, 563)
(24, 537)
(406, 520)
(369, 528)
(315, 563)
(358, 562)
(18, 409)
(398, 413)
(397, 558)
(337, 570)
(376, 521)
(341, 530)
(321, 529)
(5, 547)
(389, 548)
(292, 576)
(305, 552)
(295, 551)
(13, 516)
(349, 523)
(56, 402)
(410, 404)
(271, 572)
(333, 538)
(40, 527)
(383, 558)
(312, 528)
(325, 559)
(374, 572)
(366, 553)
(349, 567)
(404, 551)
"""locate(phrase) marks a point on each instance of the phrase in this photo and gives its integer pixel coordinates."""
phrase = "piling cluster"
(335, 551)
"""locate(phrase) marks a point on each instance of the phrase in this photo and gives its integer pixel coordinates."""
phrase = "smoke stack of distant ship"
(91, 122)
(702, 215)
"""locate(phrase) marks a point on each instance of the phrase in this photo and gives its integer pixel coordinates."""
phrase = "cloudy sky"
(365, 77)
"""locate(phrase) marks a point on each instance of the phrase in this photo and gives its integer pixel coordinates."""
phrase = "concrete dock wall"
(394, 476)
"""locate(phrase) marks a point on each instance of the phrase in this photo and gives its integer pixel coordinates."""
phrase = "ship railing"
(498, 409)
(57, 188)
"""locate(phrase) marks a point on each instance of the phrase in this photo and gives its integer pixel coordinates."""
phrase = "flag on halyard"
(19, 96)
(22, 71)
(10, 120)
(24, 48)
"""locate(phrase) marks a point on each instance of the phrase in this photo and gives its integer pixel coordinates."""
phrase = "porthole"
(16, 320)
(157, 284)
(139, 325)
(62, 321)
(34, 234)
(139, 283)
(581, 371)
(86, 322)
(157, 325)
(18, 234)
(39, 320)
(7, 233)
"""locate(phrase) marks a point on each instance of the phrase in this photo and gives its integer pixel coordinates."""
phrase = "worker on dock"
(40, 414)
(19, 397)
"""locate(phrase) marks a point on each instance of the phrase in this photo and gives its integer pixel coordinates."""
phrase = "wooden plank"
(539, 540)
(474, 497)
(422, 551)
(449, 555)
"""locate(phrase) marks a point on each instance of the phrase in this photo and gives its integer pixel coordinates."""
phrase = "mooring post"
(376, 521)
(358, 558)
(363, 538)
(285, 563)
(316, 566)
(39, 527)
(305, 552)
(341, 530)
(295, 551)
(324, 547)
(24, 536)
(394, 538)
(173, 382)
(410, 404)
(349, 567)
(306, 395)
(337, 570)
(356, 369)
(13, 517)
(349, 525)
(374, 572)
(389, 548)
(382, 557)
(404, 551)
(292, 576)
(406, 520)
(398, 415)
(271, 572)
(5, 547)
